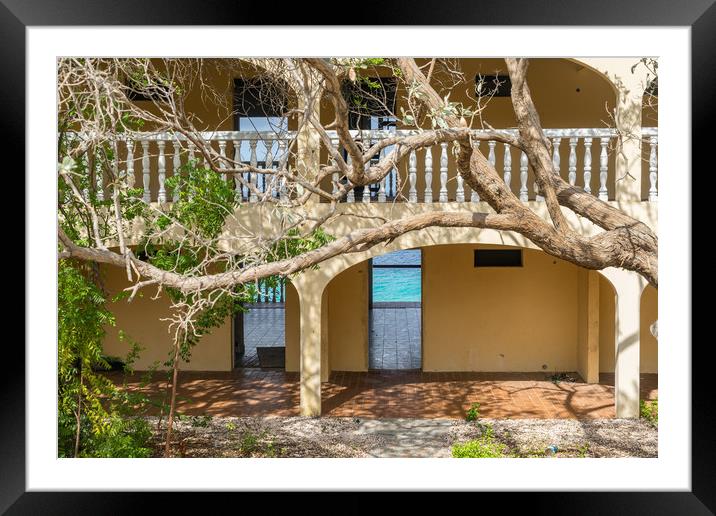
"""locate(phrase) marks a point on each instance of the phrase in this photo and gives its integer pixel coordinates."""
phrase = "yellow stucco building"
(545, 314)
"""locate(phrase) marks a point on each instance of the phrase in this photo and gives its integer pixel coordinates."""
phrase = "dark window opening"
(498, 258)
(259, 97)
(652, 88)
(493, 85)
(371, 107)
(371, 102)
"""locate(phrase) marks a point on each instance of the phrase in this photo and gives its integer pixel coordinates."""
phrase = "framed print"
(438, 239)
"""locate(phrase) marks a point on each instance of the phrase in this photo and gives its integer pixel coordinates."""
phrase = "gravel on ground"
(204, 436)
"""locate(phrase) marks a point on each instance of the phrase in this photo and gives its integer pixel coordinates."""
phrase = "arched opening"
(505, 333)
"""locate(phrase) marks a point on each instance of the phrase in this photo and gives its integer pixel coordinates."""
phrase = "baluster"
(572, 161)
(587, 164)
(507, 166)
(474, 196)
(556, 160)
(443, 196)
(384, 181)
(412, 177)
(524, 193)
(254, 163)
(192, 149)
(366, 188)
(161, 166)
(145, 171)
(222, 159)
(176, 168)
(460, 190)
(428, 195)
(653, 169)
(268, 164)
(238, 188)
(283, 161)
(491, 155)
(603, 164)
(130, 163)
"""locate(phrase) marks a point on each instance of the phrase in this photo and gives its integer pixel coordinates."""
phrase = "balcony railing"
(583, 157)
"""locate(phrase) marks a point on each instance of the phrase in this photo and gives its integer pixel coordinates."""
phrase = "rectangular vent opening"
(498, 257)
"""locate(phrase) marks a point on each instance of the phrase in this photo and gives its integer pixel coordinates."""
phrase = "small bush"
(473, 413)
(249, 443)
(649, 410)
(483, 448)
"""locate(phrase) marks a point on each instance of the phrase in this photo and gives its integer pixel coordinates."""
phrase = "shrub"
(649, 410)
(473, 413)
(484, 447)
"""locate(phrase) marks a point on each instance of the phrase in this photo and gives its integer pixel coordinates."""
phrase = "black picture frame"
(700, 15)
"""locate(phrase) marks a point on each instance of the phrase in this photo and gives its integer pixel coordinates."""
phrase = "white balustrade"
(140, 154)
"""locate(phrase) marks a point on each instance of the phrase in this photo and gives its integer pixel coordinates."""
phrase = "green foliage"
(583, 450)
(249, 443)
(649, 410)
(205, 200)
(483, 447)
(473, 413)
(202, 421)
(87, 400)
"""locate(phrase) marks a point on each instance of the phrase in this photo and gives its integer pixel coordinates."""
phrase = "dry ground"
(204, 436)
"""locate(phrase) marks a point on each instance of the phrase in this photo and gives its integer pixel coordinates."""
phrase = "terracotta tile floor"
(387, 394)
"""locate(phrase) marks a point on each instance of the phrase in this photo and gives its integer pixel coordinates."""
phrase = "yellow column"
(628, 286)
(308, 140)
(588, 340)
(310, 287)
